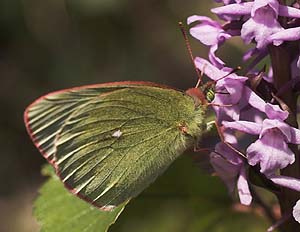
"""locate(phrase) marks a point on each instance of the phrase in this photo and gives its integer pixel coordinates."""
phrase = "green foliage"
(58, 210)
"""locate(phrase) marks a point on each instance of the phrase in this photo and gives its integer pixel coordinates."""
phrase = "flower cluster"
(238, 104)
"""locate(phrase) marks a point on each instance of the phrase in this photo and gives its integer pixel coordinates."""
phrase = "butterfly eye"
(210, 95)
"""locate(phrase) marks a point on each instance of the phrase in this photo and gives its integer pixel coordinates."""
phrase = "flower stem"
(281, 60)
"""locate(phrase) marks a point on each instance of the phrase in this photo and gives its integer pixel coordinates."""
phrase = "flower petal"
(209, 70)
(295, 136)
(272, 111)
(288, 11)
(213, 58)
(291, 34)
(229, 137)
(271, 153)
(200, 18)
(254, 100)
(207, 33)
(284, 128)
(251, 114)
(225, 112)
(296, 211)
(260, 30)
(244, 126)
(286, 181)
(234, 9)
(225, 170)
(228, 154)
(227, 164)
(243, 188)
(264, 5)
(234, 85)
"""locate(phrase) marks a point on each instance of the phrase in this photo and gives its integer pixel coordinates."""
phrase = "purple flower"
(262, 26)
(231, 90)
(236, 104)
(210, 33)
(270, 151)
(231, 169)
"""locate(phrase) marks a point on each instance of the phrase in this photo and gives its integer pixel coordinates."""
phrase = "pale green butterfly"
(109, 141)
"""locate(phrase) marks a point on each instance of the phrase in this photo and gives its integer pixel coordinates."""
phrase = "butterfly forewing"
(109, 146)
(46, 115)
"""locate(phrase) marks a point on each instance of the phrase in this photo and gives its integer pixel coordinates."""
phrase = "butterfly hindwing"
(114, 141)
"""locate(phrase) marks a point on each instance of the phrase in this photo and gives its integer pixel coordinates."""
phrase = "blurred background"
(54, 44)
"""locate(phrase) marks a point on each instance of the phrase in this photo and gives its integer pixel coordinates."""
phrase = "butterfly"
(108, 142)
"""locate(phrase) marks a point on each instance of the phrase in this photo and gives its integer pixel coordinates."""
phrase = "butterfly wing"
(109, 142)
(45, 116)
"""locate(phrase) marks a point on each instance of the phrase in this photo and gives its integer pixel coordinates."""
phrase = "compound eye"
(210, 95)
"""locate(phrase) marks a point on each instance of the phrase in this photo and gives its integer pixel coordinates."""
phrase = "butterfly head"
(204, 94)
(208, 90)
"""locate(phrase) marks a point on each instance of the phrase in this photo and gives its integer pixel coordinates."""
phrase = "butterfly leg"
(198, 149)
(221, 135)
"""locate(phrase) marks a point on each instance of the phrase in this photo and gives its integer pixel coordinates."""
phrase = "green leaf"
(108, 142)
(58, 210)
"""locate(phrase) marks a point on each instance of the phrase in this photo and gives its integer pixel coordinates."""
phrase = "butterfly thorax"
(197, 126)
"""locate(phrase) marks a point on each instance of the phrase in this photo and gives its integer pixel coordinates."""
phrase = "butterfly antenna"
(188, 46)
(232, 71)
